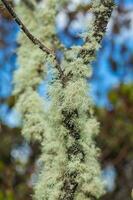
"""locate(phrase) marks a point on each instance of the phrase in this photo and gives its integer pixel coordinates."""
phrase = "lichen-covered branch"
(102, 12)
(66, 127)
(35, 40)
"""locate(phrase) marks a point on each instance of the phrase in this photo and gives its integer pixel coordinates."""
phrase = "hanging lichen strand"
(70, 170)
(33, 67)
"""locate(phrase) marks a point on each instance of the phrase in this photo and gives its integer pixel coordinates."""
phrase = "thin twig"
(34, 40)
(26, 31)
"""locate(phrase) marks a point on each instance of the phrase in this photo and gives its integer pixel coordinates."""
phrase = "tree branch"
(34, 40)
(26, 31)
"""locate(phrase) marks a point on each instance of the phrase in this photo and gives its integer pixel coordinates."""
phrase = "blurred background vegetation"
(112, 91)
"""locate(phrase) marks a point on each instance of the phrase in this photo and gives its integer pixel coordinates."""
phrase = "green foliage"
(117, 124)
(14, 185)
(116, 139)
(8, 196)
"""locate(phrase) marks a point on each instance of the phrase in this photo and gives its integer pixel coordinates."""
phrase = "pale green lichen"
(67, 128)
(33, 68)
(31, 106)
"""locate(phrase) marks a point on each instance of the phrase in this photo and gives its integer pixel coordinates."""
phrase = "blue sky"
(104, 78)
